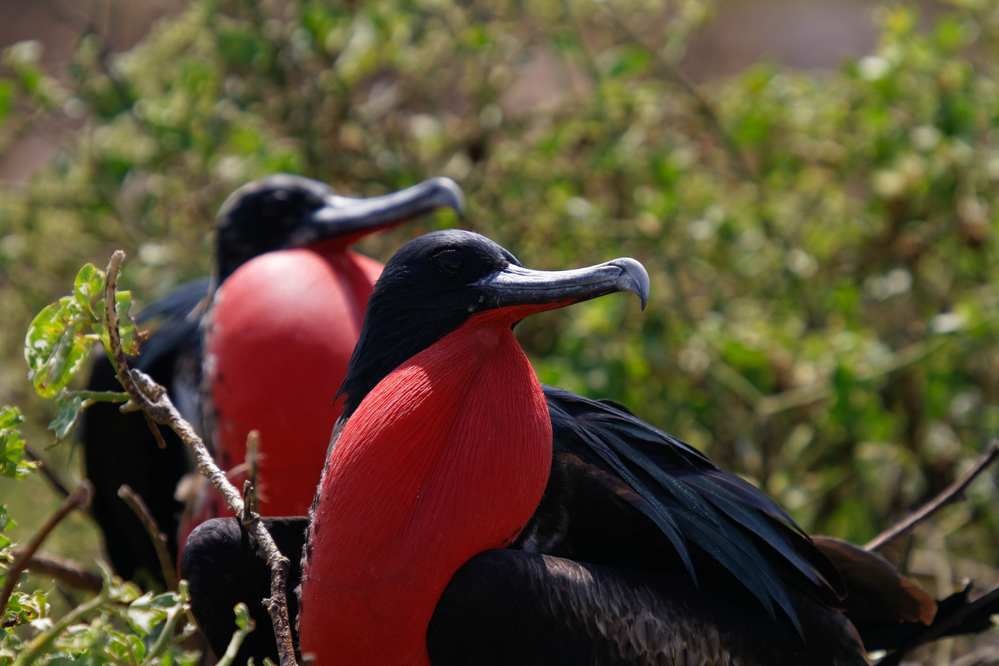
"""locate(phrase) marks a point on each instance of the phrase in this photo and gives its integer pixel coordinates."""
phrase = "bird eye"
(450, 261)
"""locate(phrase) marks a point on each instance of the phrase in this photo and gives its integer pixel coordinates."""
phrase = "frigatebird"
(640, 550)
(281, 253)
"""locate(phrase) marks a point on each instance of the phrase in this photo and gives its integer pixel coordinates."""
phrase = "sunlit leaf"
(88, 288)
(12, 455)
(56, 346)
(68, 410)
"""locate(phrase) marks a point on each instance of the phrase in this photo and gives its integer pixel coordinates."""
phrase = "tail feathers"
(877, 594)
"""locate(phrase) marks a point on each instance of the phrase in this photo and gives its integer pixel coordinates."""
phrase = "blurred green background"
(821, 240)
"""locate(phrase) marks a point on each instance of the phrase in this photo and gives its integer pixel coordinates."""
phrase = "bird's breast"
(446, 457)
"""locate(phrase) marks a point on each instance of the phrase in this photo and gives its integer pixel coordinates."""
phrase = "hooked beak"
(346, 217)
(516, 285)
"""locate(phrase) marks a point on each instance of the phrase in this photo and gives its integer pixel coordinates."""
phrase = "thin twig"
(670, 71)
(99, 396)
(145, 516)
(50, 474)
(250, 485)
(154, 402)
(65, 571)
(117, 353)
(806, 395)
(952, 493)
(78, 497)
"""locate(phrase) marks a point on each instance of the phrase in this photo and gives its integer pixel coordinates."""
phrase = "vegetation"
(822, 246)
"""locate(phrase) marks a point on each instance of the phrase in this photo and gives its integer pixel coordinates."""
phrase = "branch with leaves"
(154, 402)
(129, 627)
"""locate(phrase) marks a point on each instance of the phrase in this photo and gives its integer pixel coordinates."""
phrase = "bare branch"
(77, 498)
(117, 353)
(65, 571)
(154, 402)
(951, 494)
(50, 474)
(250, 485)
(145, 516)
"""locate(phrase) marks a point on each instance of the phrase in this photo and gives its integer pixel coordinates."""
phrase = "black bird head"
(437, 282)
(283, 211)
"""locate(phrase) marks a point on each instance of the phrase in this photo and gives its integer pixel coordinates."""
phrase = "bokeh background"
(812, 185)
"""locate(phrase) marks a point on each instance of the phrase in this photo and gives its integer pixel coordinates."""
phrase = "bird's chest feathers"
(445, 458)
(449, 454)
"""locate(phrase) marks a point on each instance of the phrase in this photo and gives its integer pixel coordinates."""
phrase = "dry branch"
(155, 404)
(145, 516)
(50, 474)
(77, 498)
(951, 494)
(65, 571)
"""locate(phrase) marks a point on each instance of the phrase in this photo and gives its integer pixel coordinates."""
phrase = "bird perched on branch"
(282, 259)
(468, 515)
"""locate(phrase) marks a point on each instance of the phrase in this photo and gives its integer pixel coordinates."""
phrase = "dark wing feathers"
(508, 607)
(180, 325)
(179, 300)
(694, 502)
(653, 507)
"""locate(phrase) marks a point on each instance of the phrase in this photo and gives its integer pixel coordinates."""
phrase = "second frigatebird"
(282, 253)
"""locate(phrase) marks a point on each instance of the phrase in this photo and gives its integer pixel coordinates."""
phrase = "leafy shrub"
(822, 246)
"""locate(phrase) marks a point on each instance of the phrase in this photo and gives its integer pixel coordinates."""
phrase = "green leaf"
(237, 47)
(88, 288)
(68, 411)
(25, 607)
(10, 417)
(6, 97)
(12, 462)
(144, 615)
(245, 625)
(55, 346)
(126, 325)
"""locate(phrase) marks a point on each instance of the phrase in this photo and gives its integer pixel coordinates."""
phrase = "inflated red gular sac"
(289, 298)
(445, 457)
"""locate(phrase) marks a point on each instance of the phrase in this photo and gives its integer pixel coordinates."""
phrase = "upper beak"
(349, 217)
(516, 285)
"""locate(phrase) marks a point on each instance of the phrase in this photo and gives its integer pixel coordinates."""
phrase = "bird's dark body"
(511, 607)
(228, 571)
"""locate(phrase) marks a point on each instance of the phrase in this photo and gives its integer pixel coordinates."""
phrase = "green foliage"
(118, 626)
(12, 462)
(244, 625)
(56, 344)
(69, 407)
